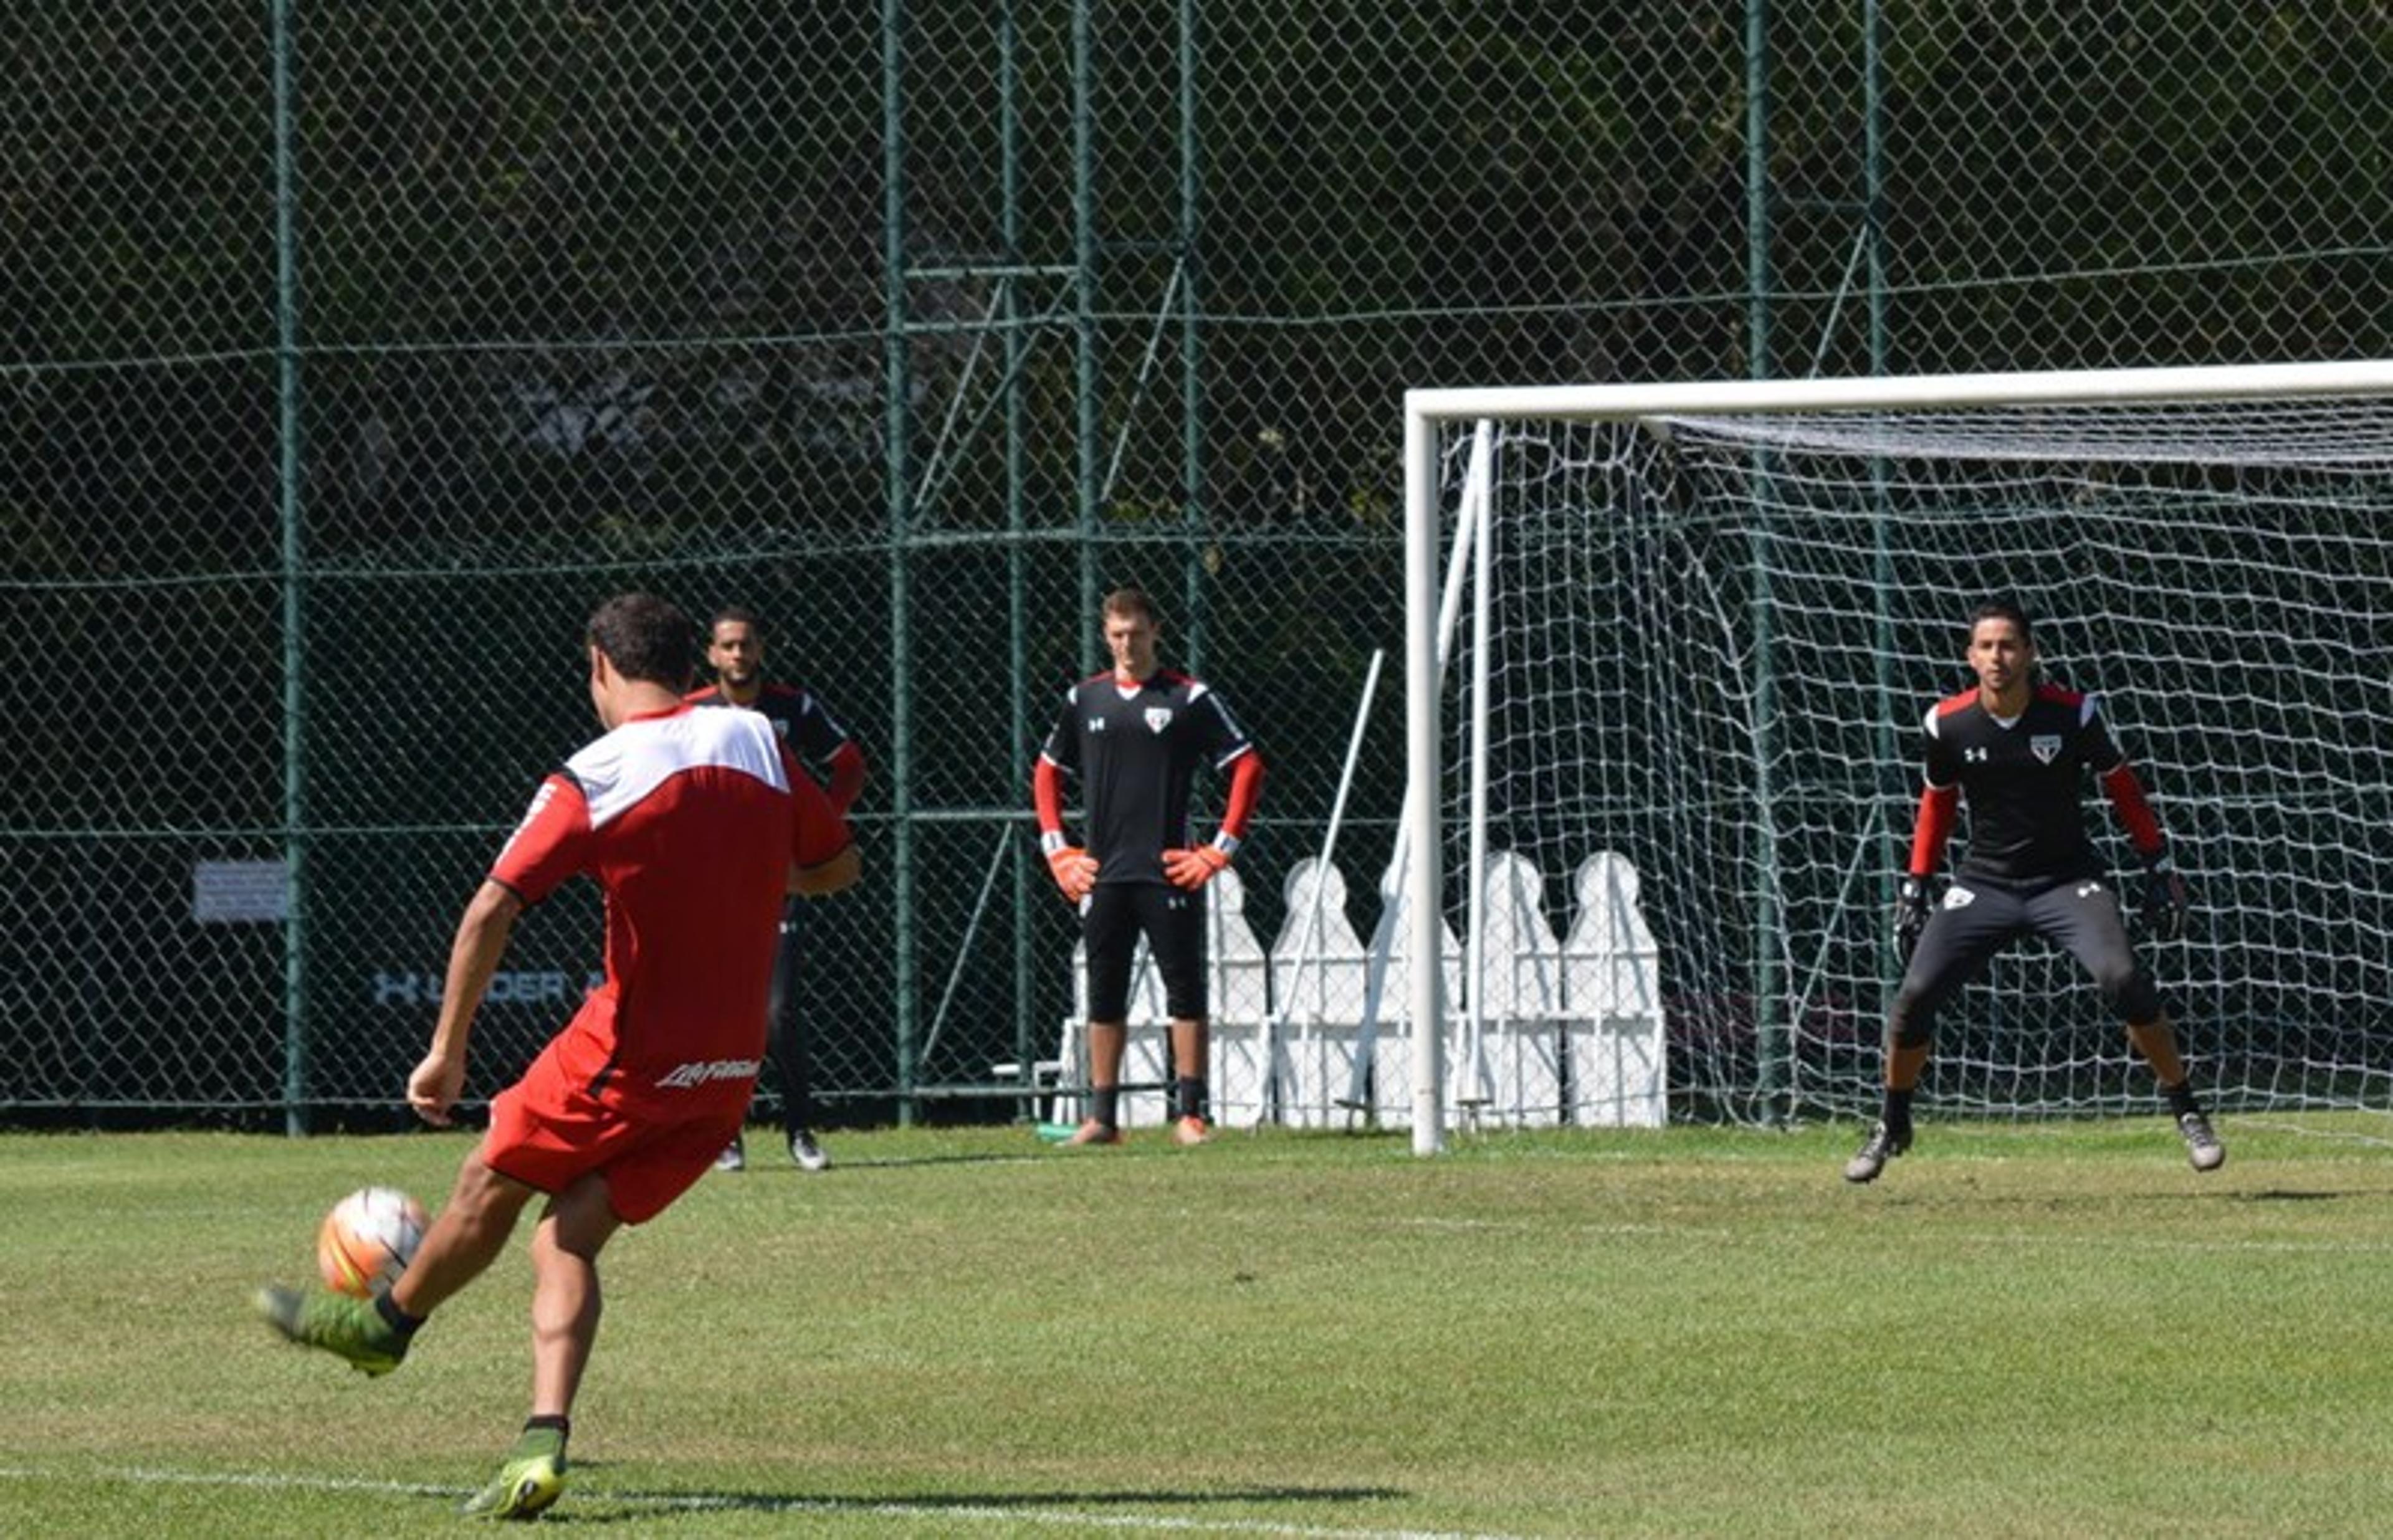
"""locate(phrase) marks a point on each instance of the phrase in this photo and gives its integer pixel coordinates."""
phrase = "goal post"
(1756, 586)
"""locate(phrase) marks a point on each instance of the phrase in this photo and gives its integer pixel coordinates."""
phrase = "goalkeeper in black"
(2015, 748)
(1134, 738)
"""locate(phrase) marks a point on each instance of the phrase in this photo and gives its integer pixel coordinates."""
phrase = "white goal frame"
(1428, 411)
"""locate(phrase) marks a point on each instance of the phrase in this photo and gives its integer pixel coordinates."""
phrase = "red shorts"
(547, 1131)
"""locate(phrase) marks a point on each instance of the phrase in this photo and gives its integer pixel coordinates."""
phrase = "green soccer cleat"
(532, 1477)
(341, 1326)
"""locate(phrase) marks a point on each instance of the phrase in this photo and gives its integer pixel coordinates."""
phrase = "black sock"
(2181, 1098)
(1105, 1106)
(1897, 1115)
(1192, 1097)
(398, 1320)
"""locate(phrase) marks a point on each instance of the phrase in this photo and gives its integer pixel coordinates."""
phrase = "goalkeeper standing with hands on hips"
(1134, 735)
(2014, 748)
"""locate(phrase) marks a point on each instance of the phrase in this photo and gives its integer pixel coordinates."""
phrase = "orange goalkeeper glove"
(1074, 869)
(1194, 867)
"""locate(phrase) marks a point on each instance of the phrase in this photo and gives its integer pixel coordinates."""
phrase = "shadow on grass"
(592, 1506)
(1947, 1201)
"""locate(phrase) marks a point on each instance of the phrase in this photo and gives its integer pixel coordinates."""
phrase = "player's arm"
(549, 845)
(847, 776)
(2164, 898)
(825, 742)
(1193, 867)
(1939, 806)
(1074, 869)
(823, 857)
(473, 954)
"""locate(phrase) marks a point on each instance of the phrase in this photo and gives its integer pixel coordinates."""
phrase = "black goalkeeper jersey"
(1135, 751)
(2023, 781)
(798, 715)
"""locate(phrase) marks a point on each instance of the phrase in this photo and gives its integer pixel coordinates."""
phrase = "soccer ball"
(366, 1240)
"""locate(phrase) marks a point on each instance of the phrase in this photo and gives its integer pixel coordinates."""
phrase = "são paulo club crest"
(1158, 718)
(2046, 747)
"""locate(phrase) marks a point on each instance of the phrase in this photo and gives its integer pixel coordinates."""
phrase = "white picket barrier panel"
(1318, 968)
(1517, 1082)
(1612, 1001)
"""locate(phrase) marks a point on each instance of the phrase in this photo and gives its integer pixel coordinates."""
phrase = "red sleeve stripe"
(1937, 805)
(1047, 795)
(2126, 794)
(1246, 785)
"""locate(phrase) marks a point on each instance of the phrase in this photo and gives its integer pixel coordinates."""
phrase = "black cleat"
(1882, 1145)
(2202, 1149)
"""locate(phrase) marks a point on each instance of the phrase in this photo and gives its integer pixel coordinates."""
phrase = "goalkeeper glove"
(1194, 867)
(2163, 898)
(1911, 910)
(1074, 869)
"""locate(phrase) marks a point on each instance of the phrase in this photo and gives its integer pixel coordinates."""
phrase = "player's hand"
(2163, 899)
(435, 1086)
(1194, 867)
(1074, 869)
(1912, 907)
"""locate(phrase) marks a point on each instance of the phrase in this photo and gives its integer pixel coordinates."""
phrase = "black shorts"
(1979, 918)
(1173, 923)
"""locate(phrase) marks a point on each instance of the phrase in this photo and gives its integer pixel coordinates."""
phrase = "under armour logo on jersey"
(2046, 747)
(1975, 756)
(1097, 725)
(2087, 890)
(1158, 718)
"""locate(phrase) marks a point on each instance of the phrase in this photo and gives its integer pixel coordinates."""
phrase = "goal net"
(1715, 617)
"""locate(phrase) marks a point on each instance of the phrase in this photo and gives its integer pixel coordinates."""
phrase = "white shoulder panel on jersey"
(1929, 721)
(622, 767)
(2086, 708)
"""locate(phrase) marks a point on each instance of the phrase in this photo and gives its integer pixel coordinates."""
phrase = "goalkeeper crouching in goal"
(2015, 748)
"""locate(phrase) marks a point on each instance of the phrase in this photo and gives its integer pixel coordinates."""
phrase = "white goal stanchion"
(1717, 610)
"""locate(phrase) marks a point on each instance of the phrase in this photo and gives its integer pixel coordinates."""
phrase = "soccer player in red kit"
(1135, 737)
(695, 823)
(2017, 750)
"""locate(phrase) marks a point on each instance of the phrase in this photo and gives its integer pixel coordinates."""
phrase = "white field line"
(702, 1501)
(1987, 1237)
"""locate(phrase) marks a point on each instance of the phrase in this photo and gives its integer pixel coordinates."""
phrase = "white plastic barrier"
(1318, 968)
(1515, 1078)
(1239, 986)
(1391, 1044)
(1611, 1001)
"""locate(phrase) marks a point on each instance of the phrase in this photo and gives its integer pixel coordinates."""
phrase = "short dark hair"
(1133, 601)
(645, 637)
(738, 615)
(2005, 608)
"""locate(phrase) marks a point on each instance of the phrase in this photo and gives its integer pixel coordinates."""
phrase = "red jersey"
(690, 821)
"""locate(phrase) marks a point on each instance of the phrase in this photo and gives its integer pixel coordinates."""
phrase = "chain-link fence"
(356, 350)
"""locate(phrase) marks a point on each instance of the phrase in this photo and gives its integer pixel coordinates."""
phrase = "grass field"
(2020, 1331)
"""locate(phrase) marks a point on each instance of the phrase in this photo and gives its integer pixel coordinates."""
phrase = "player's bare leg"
(1891, 1134)
(1191, 1040)
(2156, 1040)
(565, 1301)
(1103, 1125)
(564, 1310)
(465, 1239)
(373, 1335)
